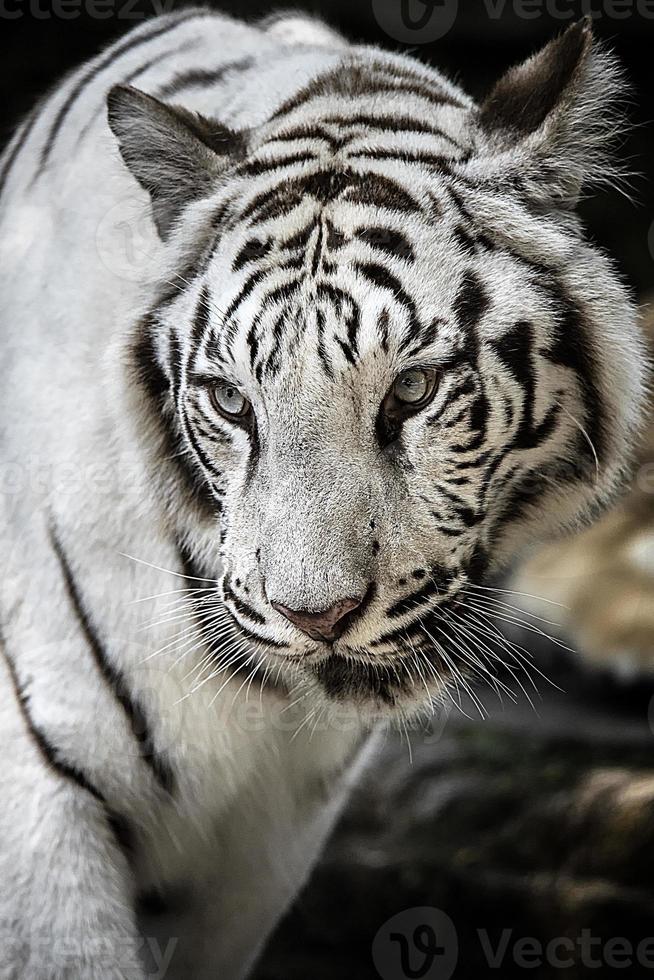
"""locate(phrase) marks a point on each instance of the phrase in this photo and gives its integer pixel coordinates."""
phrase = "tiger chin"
(303, 345)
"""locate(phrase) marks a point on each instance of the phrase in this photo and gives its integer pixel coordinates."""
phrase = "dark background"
(42, 39)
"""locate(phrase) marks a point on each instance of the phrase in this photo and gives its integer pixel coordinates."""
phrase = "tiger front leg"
(66, 903)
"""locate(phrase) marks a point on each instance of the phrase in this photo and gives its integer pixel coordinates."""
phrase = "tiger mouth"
(390, 684)
(408, 666)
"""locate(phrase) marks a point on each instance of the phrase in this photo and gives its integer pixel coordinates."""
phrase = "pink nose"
(328, 624)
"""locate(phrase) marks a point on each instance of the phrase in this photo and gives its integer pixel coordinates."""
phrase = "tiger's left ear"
(550, 121)
(176, 155)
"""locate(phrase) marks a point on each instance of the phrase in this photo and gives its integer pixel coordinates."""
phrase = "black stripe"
(215, 433)
(322, 350)
(573, 349)
(387, 240)
(449, 532)
(247, 287)
(471, 302)
(216, 474)
(459, 391)
(336, 239)
(241, 606)
(48, 752)
(252, 251)
(51, 756)
(475, 442)
(113, 676)
(200, 323)
(19, 143)
(202, 77)
(357, 80)
(414, 599)
(130, 44)
(299, 240)
(516, 351)
(255, 168)
(475, 463)
(382, 192)
(281, 294)
(157, 59)
(252, 340)
(394, 124)
(379, 276)
(419, 91)
(335, 295)
(152, 379)
(415, 627)
(465, 239)
(309, 131)
(324, 186)
(318, 249)
(383, 323)
(353, 324)
(431, 160)
(347, 352)
(251, 635)
(174, 366)
(452, 422)
(272, 203)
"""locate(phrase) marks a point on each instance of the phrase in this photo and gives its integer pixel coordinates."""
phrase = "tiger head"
(389, 359)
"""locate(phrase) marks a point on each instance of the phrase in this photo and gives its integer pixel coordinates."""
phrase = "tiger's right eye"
(229, 401)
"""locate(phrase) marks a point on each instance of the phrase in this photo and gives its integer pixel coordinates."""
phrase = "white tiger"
(329, 341)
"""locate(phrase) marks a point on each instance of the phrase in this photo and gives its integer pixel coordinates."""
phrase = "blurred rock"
(545, 837)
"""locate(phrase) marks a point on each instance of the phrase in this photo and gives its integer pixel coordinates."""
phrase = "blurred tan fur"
(605, 575)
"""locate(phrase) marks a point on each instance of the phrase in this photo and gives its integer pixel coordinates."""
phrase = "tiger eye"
(412, 390)
(412, 386)
(228, 400)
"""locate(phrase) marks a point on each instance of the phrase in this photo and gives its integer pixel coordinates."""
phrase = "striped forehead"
(328, 252)
(323, 330)
(366, 315)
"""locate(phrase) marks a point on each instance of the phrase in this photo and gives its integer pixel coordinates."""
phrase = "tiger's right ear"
(176, 155)
(551, 121)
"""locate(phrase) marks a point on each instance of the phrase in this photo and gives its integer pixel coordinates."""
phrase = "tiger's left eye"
(412, 386)
(411, 391)
(229, 401)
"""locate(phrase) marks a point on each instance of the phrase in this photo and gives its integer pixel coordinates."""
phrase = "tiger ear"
(556, 115)
(176, 155)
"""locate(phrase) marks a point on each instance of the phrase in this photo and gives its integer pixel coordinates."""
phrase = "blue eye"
(228, 400)
(415, 387)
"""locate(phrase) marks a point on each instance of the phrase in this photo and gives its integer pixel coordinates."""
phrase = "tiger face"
(393, 363)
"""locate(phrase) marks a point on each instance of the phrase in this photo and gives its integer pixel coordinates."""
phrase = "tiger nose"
(327, 624)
